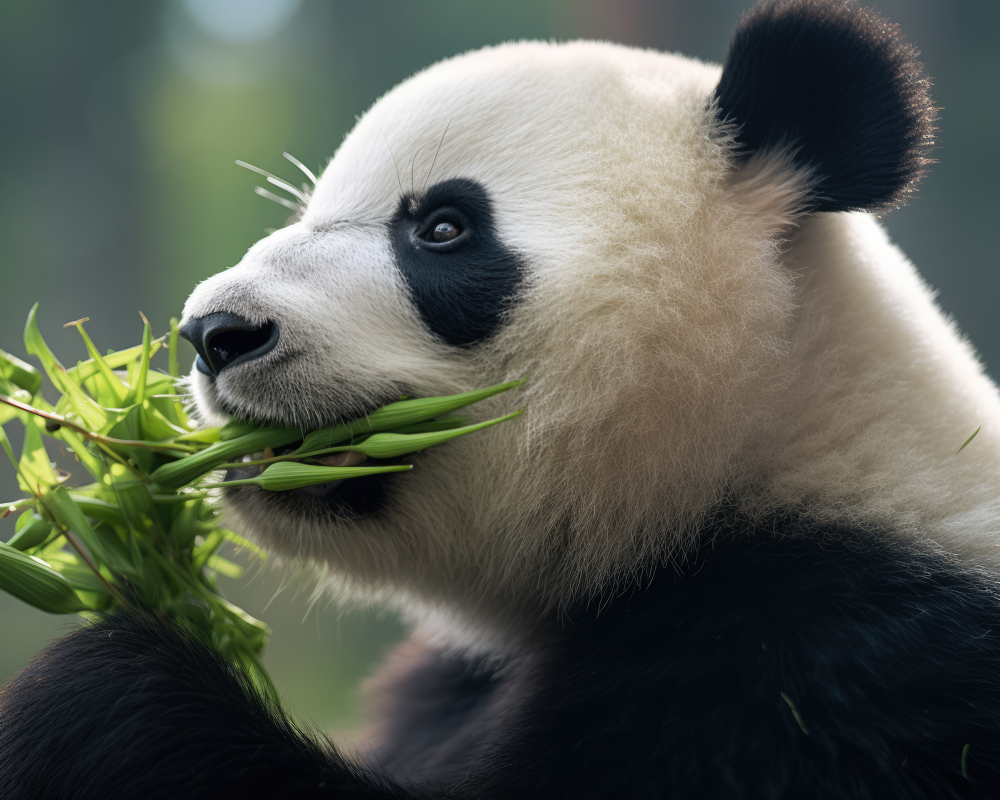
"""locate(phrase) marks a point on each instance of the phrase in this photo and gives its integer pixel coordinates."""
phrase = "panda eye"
(445, 232)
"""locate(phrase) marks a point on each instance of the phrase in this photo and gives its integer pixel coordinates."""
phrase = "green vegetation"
(146, 532)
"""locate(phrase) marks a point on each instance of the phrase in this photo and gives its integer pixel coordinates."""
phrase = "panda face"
(556, 212)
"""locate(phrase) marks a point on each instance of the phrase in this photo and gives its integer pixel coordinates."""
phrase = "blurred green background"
(120, 122)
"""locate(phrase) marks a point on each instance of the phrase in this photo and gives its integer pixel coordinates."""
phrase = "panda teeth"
(349, 459)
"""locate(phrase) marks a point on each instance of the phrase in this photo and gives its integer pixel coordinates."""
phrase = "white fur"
(684, 342)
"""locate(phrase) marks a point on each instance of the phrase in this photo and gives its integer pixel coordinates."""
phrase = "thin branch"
(74, 540)
(97, 437)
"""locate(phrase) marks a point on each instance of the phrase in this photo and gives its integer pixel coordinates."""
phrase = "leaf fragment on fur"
(976, 431)
(795, 713)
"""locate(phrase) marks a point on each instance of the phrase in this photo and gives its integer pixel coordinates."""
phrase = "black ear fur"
(840, 86)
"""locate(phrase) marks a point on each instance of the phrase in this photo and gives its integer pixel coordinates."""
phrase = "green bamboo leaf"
(80, 450)
(36, 475)
(287, 475)
(392, 445)
(130, 427)
(76, 572)
(201, 436)
(225, 567)
(115, 360)
(207, 548)
(36, 583)
(255, 630)
(239, 541)
(967, 441)
(397, 415)
(31, 531)
(109, 383)
(235, 428)
(138, 372)
(5, 443)
(8, 412)
(69, 516)
(120, 555)
(22, 375)
(173, 369)
(185, 470)
(187, 524)
(157, 427)
(99, 509)
(170, 406)
(35, 345)
(445, 424)
(328, 437)
(408, 412)
(92, 414)
(94, 417)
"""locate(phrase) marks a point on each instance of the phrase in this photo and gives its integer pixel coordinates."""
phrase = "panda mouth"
(351, 497)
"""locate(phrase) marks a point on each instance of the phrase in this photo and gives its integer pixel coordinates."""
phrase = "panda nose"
(223, 339)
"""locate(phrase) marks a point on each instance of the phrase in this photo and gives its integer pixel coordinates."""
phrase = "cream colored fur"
(687, 340)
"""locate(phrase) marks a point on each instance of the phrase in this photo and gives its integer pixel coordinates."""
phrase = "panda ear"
(837, 88)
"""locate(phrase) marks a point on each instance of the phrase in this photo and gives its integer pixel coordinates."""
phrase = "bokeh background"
(120, 122)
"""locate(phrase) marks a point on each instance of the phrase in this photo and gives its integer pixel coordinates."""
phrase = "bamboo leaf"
(115, 360)
(392, 445)
(287, 475)
(408, 412)
(138, 372)
(35, 345)
(22, 375)
(36, 583)
(77, 573)
(69, 516)
(111, 383)
(225, 567)
(36, 475)
(967, 441)
(239, 541)
(185, 470)
(31, 531)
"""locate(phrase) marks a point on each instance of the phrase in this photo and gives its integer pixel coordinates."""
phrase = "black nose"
(223, 339)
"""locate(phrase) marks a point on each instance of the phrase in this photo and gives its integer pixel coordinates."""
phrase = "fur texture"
(688, 334)
(788, 660)
(728, 551)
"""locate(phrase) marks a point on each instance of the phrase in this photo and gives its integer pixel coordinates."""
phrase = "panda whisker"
(279, 200)
(394, 164)
(434, 161)
(288, 188)
(305, 170)
(412, 162)
(274, 179)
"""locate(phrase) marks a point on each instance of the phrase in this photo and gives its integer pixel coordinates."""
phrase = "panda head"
(607, 223)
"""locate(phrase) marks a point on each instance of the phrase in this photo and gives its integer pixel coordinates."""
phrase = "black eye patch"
(460, 275)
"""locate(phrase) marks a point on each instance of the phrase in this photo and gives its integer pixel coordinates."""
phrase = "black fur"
(839, 84)
(134, 707)
(683, 687)
(460, 291)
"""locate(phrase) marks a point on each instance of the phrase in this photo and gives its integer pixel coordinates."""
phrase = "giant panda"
(728, 551)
